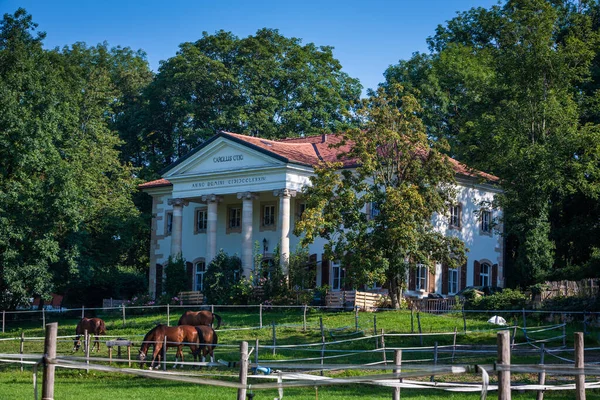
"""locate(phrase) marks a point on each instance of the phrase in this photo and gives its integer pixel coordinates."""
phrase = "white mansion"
(234, 191)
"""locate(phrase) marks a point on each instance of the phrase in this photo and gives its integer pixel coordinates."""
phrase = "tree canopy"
(403, 178)
(512, 88)
(263, 85)
(65, 198)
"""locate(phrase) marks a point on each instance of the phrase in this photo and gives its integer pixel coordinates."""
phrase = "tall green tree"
(65, 198)
(264, 85)
(400, 173)
(505, 86)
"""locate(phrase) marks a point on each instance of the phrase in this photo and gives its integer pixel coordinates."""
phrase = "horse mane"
(218, 317)
(144, 342)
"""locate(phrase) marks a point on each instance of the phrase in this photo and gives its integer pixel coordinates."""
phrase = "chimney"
(324, 138)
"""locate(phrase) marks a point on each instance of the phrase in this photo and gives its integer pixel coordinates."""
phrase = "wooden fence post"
(87, 349)
(356, 318)
(168, 315)
(464, 320)
(82, 312)
(274, 338)
(21, 345)
(580, 379)
(49, 358)
(412, 321)
(304, 323)
(241, 395)
(164, 353)
(3, 319)
(375, 331)
(123, 307)
(454, 343)
(435, 359)
(43, 317)
(542, 374)
(322, 342)
(383, 347)
(397, 370)
(260, 315)
(503, 360)
(419, 322)
(256, 353)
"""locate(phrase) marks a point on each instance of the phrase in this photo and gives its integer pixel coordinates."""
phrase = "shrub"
(176, 279)
(508, 299)
(224, 283)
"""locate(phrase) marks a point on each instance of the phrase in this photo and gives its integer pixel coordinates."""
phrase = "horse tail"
(182, 319)
(102, 328)
(218, 317)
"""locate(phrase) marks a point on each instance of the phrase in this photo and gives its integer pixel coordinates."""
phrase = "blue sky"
(367, 36)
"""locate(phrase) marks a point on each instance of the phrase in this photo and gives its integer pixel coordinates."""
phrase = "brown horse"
(208, 341)
(94, 326)
(177, 336)
(196, 318)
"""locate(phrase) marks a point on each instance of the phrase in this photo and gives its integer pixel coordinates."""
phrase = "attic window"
(266, 143)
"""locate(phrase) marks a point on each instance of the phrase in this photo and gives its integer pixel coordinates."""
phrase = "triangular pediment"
(221, 155)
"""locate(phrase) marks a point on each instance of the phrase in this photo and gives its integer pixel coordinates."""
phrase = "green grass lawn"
(77, 384)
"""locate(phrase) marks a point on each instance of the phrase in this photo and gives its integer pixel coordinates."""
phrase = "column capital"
(178, 202)
(284, 193)
(247, 195)
(212, 198)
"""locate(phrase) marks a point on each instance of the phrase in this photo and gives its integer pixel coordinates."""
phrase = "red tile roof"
(156, 183)
(310, 151)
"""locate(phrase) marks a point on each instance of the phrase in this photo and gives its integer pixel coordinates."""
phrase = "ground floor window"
(484, 274)
(200, 270)
(421, 278)
(452, 281)
(337, 274)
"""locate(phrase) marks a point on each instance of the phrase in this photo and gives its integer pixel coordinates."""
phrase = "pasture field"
(241, 324)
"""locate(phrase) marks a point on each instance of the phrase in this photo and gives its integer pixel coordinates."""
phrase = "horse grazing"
(196, 318)
(94, 326)
(208, 340)
(177, 336)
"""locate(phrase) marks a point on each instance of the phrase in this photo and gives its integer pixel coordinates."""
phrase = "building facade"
(239, 194)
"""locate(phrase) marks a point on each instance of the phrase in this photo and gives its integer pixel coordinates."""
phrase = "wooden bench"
(118, 342)
(191, 298)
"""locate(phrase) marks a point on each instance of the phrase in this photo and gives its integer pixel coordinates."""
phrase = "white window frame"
(453, 278)
(201, 220)
(337, 275)
(199, 275)
(234, 218)
(455, 216)
(485, 272)
(485, 223)
(421, 278)
(268, 215)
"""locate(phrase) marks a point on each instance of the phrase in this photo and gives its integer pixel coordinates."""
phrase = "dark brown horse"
(196, 318)
(208, 341)
(94, 326)
(177, 336)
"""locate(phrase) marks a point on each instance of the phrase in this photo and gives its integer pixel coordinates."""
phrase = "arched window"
(485, 274)
(200, 269)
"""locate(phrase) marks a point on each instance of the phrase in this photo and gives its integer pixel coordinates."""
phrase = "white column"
(284, 223)
(177, 227)
(212, 202)
(247, 259)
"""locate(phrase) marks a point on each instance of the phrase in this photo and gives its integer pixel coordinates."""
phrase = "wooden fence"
(434, 306)
(582, 288)
(349, 299)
